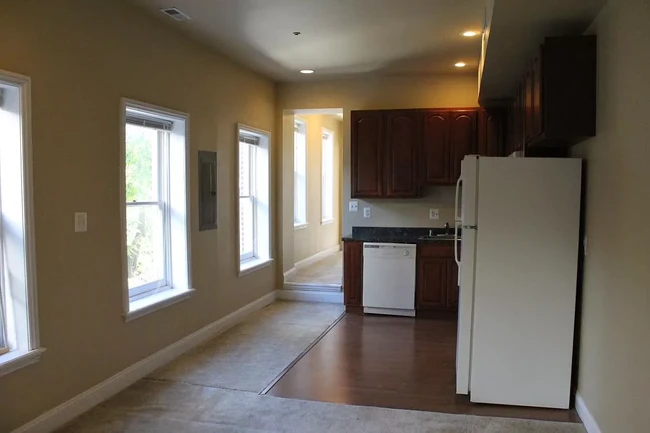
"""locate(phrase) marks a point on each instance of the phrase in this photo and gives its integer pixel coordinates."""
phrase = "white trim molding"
(60, 415)
(12, 361)
(290, 273)
(176, 191)
(587, 418)
(17, 246)
(311, 296)
(316, 257)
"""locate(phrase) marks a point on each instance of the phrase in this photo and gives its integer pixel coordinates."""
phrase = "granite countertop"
(395, 235)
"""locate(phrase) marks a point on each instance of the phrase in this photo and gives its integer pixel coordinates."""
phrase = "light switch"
(366, 212)
(353, 206)
(434, 214)
(80, 222)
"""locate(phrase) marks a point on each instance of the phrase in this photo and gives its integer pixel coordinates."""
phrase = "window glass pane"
(246, 227)
(144, 245)
(300, 174)
(141, 164)
(244, 169)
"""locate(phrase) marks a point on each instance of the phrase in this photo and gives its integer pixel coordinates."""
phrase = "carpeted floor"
(326, 271)
(249, 356)
(161, 407)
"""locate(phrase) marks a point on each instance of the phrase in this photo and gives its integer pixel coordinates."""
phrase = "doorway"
(312, 212)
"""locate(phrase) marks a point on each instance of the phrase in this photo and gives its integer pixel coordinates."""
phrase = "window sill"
(326, 222)
(155, 302)
(250, 266)
(12, 361)
(300, 226)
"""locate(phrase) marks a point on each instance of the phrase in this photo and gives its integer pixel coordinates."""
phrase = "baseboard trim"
(314, 287)
(311, 296)
(316, 257)
(587, 419)
(69, 410)
(290, 273)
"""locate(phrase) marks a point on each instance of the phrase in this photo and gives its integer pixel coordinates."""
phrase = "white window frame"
(20, 329)
(300, 195)
(327, 219)
(174, 198)
(260, 173)
(253, 254)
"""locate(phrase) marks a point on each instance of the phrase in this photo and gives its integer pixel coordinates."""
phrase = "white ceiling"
(340, 38)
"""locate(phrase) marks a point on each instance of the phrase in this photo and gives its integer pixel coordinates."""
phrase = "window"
(299, 174)
(327, 185)
(19, 342)
(254, 202)
(155, 188)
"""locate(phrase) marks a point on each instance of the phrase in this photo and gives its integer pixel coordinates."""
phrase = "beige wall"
(316, 237)
(82, 57)
(380, 93)
(614, 371)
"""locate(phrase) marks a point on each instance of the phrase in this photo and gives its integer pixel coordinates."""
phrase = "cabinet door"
(452, 285)
(352, 273)
(462, 139)
(435, 147)
(367, 156)
(491, 135)
(528, 105)
(432, 283)
(402, 144)
(538, 95)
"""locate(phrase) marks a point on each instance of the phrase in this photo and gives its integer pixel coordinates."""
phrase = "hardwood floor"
(393, 362)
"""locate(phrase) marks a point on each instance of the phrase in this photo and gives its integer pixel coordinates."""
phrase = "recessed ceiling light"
(460, 65)
(469, 33)
(306, 71)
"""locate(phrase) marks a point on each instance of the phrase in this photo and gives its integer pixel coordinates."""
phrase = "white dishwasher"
(389, 279)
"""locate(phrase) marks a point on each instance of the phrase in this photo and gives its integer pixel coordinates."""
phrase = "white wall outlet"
(80, 222)
(366, 212)
(434, 214)
(353, 206)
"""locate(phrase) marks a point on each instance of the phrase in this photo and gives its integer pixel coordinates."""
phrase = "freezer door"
(469, 171)
(525, 281)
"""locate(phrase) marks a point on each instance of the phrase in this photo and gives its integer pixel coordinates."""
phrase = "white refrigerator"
(517, 261)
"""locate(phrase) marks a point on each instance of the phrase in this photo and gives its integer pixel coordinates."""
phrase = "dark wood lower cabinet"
(436, 285)
(353, 276)
(436, 280)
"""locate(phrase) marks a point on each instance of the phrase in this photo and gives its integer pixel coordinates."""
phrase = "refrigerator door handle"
(456, 255)
(457, 214)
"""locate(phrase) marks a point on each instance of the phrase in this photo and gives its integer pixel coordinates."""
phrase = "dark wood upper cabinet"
(528, 105)
(491, 132)
(402, 148)
(462, 138)
(367, 159)
(395, 152)
(435, 147)
(353, 275)
(559, 97)
(538, 119)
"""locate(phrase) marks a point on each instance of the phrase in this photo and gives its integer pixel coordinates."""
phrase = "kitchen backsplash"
(404, 212)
